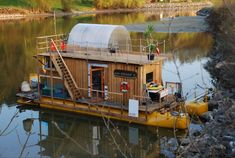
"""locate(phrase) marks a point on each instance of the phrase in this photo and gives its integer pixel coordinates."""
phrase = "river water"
(39, 132)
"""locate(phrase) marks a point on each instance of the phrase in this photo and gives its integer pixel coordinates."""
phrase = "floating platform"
(160, 118)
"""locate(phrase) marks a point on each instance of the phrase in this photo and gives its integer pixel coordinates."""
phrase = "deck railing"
(102, 102)
(130, 50)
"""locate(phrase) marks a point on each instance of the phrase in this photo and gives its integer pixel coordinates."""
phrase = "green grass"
(13, 3)
(81, 5)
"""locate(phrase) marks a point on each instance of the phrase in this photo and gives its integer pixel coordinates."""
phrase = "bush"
(111, 4)
(43, 5)
(66, 5)
(39, 5)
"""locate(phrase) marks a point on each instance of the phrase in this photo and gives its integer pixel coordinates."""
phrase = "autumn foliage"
(114, 4)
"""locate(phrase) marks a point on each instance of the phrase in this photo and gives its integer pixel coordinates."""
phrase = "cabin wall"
(79, 70)
(156, 69)
(114, 82)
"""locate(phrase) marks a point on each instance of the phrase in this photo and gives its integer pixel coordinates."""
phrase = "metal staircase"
(64, 72)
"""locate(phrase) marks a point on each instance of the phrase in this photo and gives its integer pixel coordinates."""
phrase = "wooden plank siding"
(156, 68)
(79, 70)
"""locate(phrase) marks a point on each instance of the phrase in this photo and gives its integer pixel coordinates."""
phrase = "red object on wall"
(124, 87)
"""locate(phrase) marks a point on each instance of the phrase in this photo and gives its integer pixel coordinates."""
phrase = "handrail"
(137, 44)
(64, 63)
(50, 36)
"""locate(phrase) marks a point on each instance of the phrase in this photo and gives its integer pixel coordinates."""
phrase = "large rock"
(232, 115)
(185, 141)
(212, 104)
(207, 116)
(232, 108)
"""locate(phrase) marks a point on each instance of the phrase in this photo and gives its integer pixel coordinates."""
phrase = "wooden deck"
(120, 57)
(88, 102)
(149, 108)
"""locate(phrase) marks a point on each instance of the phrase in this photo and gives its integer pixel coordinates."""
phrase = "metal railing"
(103, 101)
(134, 50)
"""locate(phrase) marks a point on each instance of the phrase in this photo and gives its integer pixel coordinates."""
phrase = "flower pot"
(150, 56)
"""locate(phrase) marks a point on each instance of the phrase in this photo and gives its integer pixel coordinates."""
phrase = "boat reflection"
(70, 135)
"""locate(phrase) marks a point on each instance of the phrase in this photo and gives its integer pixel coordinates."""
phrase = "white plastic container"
(25, 87)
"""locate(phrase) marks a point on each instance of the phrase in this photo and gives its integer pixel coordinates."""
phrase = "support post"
(146, 112)
(164, 45)
(63, 88)
(141, 51)
(52, 98)
(38, 71)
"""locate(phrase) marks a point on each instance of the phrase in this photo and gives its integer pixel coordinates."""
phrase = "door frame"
(101, 78)
(101, 66)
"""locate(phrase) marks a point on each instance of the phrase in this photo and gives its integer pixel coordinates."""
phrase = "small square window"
(149, 77)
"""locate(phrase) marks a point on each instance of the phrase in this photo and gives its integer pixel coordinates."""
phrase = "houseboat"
(99, 70)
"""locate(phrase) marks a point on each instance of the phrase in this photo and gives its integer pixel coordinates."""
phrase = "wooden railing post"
(146, 112)
(97, 109)
(122, 105)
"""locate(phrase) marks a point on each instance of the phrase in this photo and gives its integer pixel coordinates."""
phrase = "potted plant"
(151, 47)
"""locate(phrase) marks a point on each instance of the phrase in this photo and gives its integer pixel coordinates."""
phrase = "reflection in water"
(47, 133)
(66, 135)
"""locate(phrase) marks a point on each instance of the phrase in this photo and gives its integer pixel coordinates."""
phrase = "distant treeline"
(112, 4)
(69, 5)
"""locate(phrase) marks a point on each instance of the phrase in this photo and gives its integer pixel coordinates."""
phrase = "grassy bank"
(48, 5)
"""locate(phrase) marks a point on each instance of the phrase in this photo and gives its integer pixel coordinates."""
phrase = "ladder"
(64, 72)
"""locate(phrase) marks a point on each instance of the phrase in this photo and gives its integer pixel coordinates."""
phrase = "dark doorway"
(97, 81)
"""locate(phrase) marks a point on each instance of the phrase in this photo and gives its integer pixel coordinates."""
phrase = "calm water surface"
(36, 133)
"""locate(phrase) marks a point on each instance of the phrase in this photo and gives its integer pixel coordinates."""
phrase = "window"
(149, 77)
(47, 63)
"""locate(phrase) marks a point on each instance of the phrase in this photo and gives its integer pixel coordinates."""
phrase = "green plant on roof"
(151, 46)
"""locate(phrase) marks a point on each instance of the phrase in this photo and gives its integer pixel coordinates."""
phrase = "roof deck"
(120, 57)
(134, 53)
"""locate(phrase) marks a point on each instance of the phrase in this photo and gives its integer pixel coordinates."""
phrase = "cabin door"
(97, 81)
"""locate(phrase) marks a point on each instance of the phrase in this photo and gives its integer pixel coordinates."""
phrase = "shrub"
(66, 5)
(111, 4)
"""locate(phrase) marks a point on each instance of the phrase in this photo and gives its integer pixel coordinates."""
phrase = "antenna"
(55, 23)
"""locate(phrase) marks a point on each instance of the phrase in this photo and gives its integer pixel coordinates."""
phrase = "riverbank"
(18, 13)
(217, 139)
(180, 24)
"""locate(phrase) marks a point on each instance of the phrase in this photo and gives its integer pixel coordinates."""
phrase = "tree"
(66, 5)
(109, 4)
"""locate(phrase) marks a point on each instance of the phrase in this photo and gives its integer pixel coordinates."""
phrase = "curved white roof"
(99, 36)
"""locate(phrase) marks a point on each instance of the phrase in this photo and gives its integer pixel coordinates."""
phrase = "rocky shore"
(217, 139)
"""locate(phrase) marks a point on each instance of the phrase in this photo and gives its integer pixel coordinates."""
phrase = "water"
(33, 133)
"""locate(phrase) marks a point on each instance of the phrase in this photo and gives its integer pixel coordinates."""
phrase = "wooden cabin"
(98, 70)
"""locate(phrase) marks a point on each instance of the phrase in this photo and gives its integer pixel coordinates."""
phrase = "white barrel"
(25, 87)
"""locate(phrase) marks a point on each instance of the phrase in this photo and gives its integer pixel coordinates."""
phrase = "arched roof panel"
(97, 35)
